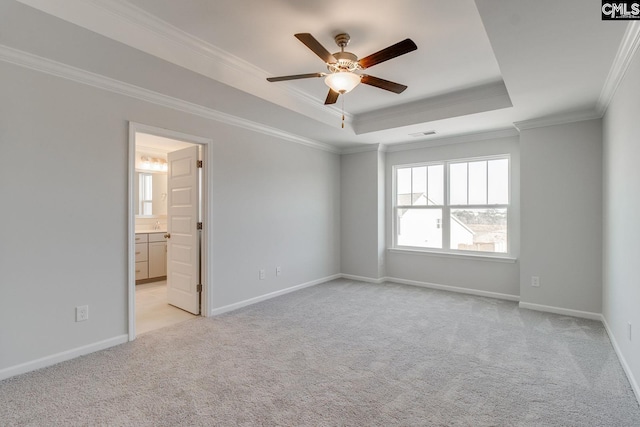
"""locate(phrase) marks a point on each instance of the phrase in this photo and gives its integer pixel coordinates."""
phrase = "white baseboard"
(563, 311)
(61, 357)
(362, 278)
(623, 361)
(457, 289)
(240, 304)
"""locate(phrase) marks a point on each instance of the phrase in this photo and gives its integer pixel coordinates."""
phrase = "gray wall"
(63, 181)
(359, 214)
(479, 275)
(275, 204)
(561, 187)
(382, 206)
(63, 143)
(621, 293)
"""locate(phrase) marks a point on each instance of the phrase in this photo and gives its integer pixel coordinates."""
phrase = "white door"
(183, 246)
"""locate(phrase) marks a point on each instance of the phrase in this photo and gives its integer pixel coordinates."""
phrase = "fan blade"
(332, 97)
(383, 84)
(313, 44)
(400, 48)
(295, 77)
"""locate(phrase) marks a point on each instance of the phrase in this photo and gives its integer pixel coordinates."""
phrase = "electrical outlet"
(629, 323)
(82, 313)
(278, 271)
(262, 274)
(535, 281)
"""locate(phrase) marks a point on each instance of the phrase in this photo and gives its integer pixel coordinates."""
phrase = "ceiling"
(480, 65)
(159, 144)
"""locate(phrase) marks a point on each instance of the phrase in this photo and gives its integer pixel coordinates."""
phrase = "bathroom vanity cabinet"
(151, 256)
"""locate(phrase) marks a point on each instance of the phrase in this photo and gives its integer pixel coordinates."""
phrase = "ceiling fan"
(341, 77)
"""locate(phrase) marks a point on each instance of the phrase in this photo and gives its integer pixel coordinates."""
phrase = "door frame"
(207, 233)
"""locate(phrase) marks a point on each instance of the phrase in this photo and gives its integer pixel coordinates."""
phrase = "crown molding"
(435, 142)
(558, 119)
(364, 148)
(455, 139)
(488, 97)
(48, 66)
(626, 51)
(124, 22)
(625, 54)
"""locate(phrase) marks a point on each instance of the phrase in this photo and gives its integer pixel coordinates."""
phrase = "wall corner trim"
(62, 357)
(623, 361)
(562, 311)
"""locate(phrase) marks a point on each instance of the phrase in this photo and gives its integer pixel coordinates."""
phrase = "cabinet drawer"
(142, 270)
(142, 252)
(157, 237)
(140, 238)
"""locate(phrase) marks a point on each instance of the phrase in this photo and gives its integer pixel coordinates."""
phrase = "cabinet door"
(141, 252)
(142, 270)
(157, 259)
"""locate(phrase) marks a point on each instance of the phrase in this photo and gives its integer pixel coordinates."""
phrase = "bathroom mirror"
(150, 194)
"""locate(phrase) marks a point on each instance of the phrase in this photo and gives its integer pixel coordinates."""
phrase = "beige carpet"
(342, 354)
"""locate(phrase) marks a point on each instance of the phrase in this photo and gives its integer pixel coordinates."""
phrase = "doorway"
(168, 283)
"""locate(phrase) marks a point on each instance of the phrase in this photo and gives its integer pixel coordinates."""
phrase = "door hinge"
(199, 164)
(199, 226)
(199, 287)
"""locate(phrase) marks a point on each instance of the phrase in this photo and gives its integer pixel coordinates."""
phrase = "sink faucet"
(156, 226)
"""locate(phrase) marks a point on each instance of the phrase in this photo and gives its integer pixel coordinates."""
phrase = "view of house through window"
(459, 205)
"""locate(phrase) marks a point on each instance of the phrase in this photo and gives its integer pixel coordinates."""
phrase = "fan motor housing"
(347, 61)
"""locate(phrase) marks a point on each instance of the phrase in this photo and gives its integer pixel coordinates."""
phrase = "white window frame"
(142, 194)
(446, 210)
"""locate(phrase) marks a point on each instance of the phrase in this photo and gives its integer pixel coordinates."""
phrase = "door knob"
(167, 236)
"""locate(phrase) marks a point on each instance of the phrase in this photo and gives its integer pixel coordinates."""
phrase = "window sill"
(475, 257)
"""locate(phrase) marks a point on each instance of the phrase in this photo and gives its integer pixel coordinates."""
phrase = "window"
(146, 193)
(460, 205)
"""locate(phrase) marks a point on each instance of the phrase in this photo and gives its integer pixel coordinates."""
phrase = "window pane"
(483, 230)
(419, 186)
(420, 228)
(147, 191)
(403, 183)
(458, 184)
(146, 208)
(498, 185)
(478, 183)
(436, 185)
(145, 194)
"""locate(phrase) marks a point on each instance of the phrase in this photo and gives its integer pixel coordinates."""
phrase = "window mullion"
(445, 209)
(486, 183)
(426, 183)
(467, 182)
(411, 189)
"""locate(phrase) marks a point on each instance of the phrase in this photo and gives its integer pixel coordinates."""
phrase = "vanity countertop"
(146, 231)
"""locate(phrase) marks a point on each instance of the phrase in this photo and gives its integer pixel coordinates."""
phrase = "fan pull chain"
(342, 111)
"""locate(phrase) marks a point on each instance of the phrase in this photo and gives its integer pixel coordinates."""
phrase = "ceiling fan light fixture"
(342, 81)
